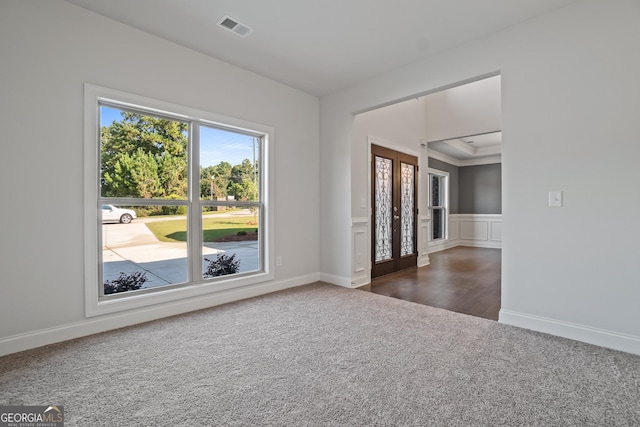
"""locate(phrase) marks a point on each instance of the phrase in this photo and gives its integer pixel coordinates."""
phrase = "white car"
(111, 213)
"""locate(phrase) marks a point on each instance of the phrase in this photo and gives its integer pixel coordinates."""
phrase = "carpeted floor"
(324, 355)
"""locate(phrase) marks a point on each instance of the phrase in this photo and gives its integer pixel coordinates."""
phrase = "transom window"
(179, 205)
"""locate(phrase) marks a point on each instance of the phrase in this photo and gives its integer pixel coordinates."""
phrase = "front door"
(393, 192)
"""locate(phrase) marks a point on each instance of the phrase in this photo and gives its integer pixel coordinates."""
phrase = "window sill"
(132, 300)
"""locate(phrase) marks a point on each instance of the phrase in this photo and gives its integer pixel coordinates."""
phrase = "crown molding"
(461, 163)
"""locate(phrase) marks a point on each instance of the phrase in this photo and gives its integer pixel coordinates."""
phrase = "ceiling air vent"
(234, 26)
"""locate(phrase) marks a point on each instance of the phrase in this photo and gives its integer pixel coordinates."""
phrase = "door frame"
(419, 196)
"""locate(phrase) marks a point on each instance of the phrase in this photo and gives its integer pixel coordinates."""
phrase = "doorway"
(394, 211)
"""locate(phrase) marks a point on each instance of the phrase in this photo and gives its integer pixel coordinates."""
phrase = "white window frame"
(444, 207)
(95, 304)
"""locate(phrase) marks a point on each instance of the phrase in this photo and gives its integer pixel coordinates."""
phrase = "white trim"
(360, 281)
(360, 251)
(445, 206)
(461, 163)
(382, 143)
(492, 240)
(477, 216)
(345, 282)
(481, 161)
(423, 259)
(442, 245)
(359, 221)
(359, 262)
(423, 241)
(479, 244)
(26, 341)
(94, 306)
(574, 331)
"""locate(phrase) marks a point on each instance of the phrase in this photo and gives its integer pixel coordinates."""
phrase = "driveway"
(128, 248)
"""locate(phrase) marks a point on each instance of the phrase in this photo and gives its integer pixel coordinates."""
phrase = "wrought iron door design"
(394, 210)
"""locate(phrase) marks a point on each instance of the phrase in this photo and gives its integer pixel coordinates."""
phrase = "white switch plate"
(278, 261)
(555, 199)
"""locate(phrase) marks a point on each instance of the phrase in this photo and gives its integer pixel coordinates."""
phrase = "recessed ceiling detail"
(484, 145)
(231, 24)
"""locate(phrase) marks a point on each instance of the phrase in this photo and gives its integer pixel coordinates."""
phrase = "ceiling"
(470, 148)
(321, 46)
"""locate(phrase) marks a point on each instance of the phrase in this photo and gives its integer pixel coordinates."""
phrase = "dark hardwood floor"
(461, 279)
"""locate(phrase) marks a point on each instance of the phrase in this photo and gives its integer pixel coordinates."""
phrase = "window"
(438, 190)
(176, 202)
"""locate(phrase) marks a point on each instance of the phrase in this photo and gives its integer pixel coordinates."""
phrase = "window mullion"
(195, 206)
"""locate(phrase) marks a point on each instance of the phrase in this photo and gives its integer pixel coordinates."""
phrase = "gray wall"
(480, 189)
(453, 182)
(473, 189)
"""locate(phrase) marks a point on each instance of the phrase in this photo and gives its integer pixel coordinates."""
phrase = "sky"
(216, 145)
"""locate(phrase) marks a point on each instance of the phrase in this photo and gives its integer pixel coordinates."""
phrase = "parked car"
(111, 213)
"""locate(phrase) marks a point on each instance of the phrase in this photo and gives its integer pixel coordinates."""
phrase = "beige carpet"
(323, 355)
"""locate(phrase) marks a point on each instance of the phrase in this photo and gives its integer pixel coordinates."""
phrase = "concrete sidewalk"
(132, 247)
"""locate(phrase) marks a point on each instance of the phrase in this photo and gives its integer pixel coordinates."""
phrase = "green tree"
(144, 157)
(215, 178)
(242, 172)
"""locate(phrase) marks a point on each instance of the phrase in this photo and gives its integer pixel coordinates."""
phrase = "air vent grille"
(231, 24)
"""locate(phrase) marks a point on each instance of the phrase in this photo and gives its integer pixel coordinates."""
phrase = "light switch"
(555, 199)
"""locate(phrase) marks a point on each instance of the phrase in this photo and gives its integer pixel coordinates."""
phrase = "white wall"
(401, 126)
(570, 103)
(464, 110)
(48, 49)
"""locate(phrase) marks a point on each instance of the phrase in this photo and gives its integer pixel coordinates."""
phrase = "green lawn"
(175, 230)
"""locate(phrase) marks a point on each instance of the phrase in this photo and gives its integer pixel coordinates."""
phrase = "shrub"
(174, 210)
(242, 233)
(125, 282)
(223, 264)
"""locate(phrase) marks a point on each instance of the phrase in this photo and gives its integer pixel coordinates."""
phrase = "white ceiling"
(471, 147)
(324, 45)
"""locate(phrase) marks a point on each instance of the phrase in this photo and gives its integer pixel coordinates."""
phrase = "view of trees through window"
(145, 157)
(145, 162)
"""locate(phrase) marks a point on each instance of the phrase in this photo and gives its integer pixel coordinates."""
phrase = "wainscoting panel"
(479, 230)
(454, 227)
(360, 246)
(474, 230)
(496, 231)
(423, 240)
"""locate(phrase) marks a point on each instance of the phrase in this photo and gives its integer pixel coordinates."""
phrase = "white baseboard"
(356, 282)
(423, 261)
(588, 334)
(345, 282)
(441, 246)
(94, 325)
(479, 244)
